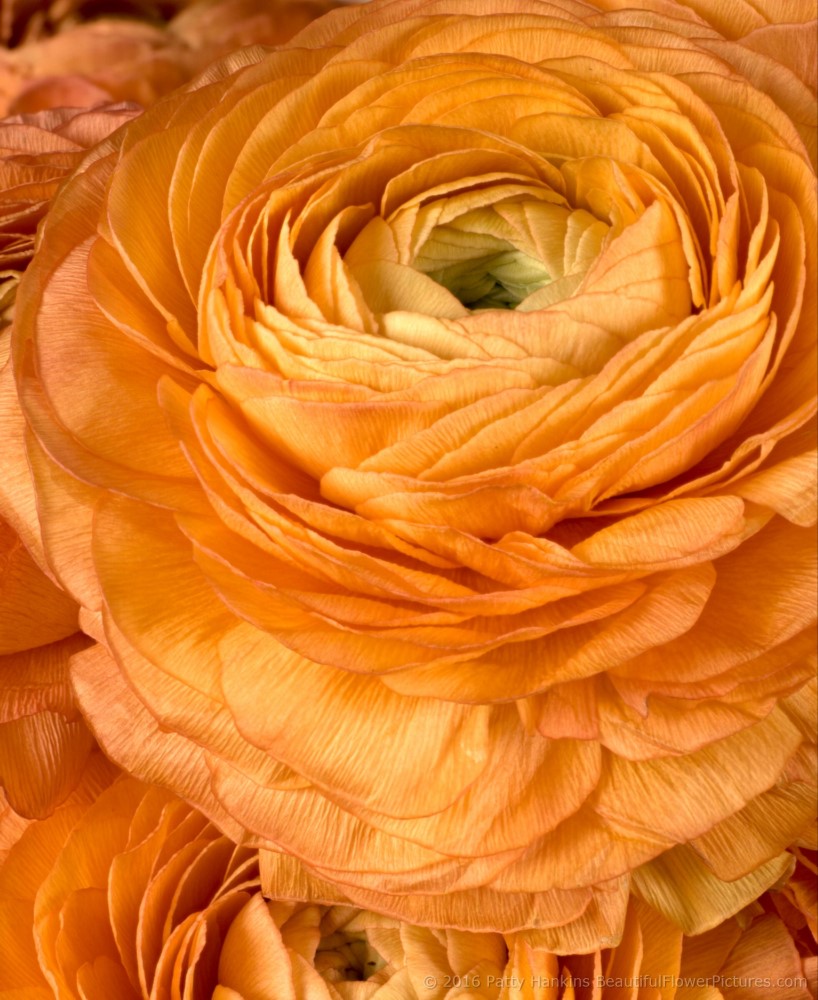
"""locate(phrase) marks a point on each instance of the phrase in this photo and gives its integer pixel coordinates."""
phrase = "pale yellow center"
(481, 269)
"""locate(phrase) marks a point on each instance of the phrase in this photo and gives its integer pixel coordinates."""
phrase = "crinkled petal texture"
(431, 446)
(44, 744)
(214, 28)
(37, 153)
(127, 892)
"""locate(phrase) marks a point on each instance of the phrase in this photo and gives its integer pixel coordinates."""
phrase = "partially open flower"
(435, 458)
(128, 893)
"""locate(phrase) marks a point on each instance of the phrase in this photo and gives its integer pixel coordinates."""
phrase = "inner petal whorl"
(482, 270)
(347, 957)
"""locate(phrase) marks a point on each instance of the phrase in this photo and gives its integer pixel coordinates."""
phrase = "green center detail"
(343, 957)
(482, 271)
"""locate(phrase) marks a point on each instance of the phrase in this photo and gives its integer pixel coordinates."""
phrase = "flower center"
(482, 270)
(347, 957)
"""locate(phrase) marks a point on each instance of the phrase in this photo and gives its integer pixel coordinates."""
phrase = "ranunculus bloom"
(126, 892)
(421, 413)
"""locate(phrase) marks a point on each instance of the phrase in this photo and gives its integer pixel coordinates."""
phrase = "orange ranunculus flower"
(422, 414)
(126, 892)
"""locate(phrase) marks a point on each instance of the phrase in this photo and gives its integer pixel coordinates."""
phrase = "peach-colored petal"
(37, 152)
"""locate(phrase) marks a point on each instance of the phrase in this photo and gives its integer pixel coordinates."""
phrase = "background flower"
(44, 743)
(127, 892)
(37, 153)
(23, 21)
(476, 613)
(139, 57)
(102, 61)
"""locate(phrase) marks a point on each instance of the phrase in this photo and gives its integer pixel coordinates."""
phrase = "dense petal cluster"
(126, 892)
(458, 383)
(796, 905)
